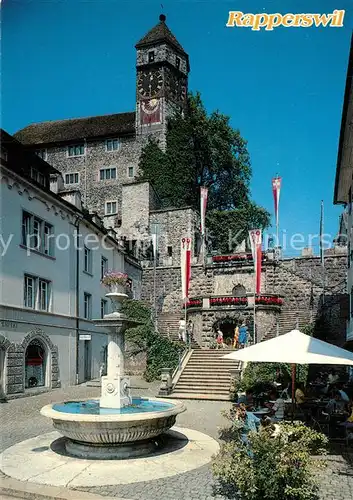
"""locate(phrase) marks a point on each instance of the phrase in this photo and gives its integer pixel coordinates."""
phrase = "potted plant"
(115, 281)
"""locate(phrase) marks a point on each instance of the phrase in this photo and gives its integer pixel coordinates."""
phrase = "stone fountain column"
(115, 386)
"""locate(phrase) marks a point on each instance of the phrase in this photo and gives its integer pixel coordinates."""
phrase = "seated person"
(335, 403)
(344, 395)
(286, 393)
(299, 394)
(332, 377)
(247, 399)
(251, 422)
(268, 426)
(277, 409)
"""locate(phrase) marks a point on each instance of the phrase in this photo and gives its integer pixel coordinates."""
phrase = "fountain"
(117, 425)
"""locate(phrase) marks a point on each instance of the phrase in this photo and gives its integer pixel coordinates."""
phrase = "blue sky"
(283, 89)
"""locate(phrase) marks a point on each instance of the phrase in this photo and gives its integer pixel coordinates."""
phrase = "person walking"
(243, 335)
(236, 337)
(182, 327)
(189, 332)
(220, 342)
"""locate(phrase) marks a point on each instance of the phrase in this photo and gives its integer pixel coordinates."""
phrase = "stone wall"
(297, 280)
(174, 224)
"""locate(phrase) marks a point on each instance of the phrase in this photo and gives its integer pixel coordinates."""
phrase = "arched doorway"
(36, 364)
(227, 326)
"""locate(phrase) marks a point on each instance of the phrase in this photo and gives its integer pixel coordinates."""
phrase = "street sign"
(85, 336)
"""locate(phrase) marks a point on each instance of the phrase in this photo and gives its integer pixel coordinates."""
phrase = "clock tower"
(162, 79)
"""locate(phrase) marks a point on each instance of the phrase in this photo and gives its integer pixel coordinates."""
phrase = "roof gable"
(77, 129)
(158, 34)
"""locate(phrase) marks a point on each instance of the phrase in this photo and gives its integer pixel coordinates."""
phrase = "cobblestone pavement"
(20, 420)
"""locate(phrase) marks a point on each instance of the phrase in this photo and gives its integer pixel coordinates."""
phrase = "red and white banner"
(256, 244)
(185, 260)
(276, 189)
(203, 198)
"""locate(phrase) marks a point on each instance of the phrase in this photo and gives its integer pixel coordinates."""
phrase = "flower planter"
(116, 288)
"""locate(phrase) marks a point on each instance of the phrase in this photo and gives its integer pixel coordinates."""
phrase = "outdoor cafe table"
(261, 412)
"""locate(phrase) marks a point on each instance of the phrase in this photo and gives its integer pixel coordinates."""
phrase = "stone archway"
(39, 350)
(227, 322)
(4, 345)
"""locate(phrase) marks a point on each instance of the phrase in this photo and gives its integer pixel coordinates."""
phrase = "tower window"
(177, 62)
(110, 207)
(170, 251)
(131, 172)
(112, 145)
(106, 174)
(72, 178)
(77, 150)
(151, 56)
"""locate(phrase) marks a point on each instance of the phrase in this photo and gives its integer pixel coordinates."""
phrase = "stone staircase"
(168, 326)
(206, 376)
(289, 320)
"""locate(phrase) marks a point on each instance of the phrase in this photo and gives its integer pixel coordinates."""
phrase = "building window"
(37, 176)
(177, 62)
(43, 295)
(37, 234)
(88, 260)
(352, 302)
(170, 251)
(104, 266)
(239, 291)
(151, 56)
(29, 292)
(76, 150)
(112, 145)
(131, 172)
(42, 153)
(350, 201)
(36, 293)
(104, 308)
(110, 207)
(87, 305)
(72, 178)
(105, 174)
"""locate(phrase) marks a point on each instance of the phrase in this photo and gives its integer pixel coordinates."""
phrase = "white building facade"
(53, 256)
(344, 182)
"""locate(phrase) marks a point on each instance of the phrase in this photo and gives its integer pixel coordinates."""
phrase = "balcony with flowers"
(231, 302)
(238, 259)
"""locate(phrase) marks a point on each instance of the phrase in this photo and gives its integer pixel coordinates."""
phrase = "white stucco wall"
(59, 323)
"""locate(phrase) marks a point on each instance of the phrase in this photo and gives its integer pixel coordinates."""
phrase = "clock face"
(150, 83)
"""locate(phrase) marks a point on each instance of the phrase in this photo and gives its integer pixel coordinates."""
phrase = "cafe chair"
(321, 422)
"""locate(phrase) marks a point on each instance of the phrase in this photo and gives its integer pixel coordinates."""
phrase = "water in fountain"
(116, 426)
(92, 407)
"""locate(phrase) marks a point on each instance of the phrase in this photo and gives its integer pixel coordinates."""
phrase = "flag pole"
(277, 220)
(255, 312)
(322, 253)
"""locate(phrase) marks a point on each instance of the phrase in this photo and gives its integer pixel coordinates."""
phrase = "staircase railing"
(183, 359)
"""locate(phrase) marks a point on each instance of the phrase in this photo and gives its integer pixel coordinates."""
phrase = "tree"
(204, 150)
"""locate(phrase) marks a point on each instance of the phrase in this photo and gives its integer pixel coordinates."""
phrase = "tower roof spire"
(160, 33)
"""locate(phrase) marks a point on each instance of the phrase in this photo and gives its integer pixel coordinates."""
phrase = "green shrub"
(160, 351)
(261, 376)
(269, 468)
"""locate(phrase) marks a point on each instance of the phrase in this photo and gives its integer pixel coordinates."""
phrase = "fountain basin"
(102, 433)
